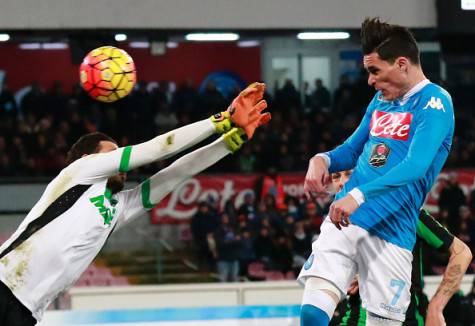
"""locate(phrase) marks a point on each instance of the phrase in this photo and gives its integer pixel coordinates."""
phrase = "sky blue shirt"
(397, 152)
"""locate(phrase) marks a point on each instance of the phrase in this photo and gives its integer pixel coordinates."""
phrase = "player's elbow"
(418, 170)
(467, 253)
(459, 248)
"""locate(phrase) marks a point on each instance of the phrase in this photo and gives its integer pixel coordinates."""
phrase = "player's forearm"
(102, 165)
(460, 258)
(342, 158)
(163, 182)
(170, 143)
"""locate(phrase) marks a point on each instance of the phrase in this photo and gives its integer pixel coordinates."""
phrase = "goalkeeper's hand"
(246, 109)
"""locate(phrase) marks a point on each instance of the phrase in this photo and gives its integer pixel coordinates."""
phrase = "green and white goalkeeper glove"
(234, 139)
(245, 111)
(222, 122)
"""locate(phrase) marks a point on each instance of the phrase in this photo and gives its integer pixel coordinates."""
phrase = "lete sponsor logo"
(180, 205)
(393, 125)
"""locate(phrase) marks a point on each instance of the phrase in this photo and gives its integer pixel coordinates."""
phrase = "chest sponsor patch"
(379, 155)
(393, 125)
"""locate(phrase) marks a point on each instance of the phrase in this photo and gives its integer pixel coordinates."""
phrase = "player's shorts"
(384, 269)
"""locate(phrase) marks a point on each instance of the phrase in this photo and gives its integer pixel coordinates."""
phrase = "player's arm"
(460, 257)
(100, 165)
(145, 196)
(344, 157)
(431, 130)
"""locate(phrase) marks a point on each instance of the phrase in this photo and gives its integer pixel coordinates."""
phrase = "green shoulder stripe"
(124, 160)
(146, 195)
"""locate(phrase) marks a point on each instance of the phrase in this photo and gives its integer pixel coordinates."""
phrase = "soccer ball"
(107, 73)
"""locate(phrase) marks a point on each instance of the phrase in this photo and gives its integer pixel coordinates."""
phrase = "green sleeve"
(433, 233)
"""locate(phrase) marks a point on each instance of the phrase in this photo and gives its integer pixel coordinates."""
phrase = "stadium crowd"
(38, 129)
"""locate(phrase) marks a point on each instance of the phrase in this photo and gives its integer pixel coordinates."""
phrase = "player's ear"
(402, 63)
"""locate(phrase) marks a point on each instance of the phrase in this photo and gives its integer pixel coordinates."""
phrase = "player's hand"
(434, 317)
(354, 287)
(317, 178)
(341, 210)
(246, 109)
(257, 118)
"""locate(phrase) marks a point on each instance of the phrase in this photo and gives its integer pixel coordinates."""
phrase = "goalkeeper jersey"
(75, 215)
(398, 149)
(63, 233)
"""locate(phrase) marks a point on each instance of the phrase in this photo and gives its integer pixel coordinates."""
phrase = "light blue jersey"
(397, 152)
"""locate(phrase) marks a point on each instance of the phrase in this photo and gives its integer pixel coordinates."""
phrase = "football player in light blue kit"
(397, 151)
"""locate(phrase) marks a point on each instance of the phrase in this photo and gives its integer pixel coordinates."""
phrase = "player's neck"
(416, 76)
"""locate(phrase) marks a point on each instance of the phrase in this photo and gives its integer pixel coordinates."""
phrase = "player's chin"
(116, 183)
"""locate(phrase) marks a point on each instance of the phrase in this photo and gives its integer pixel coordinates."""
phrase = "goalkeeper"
(81, 207)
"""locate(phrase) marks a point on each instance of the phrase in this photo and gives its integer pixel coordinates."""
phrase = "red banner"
(181, 204)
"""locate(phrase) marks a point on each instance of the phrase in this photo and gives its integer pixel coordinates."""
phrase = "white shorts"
(384, 269)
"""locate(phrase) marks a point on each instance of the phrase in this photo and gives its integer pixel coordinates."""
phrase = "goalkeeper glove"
(245, 111)
(222, 122)
(246, 108)
(234, 139)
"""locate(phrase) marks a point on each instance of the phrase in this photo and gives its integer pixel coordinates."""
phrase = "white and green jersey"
(70, 223)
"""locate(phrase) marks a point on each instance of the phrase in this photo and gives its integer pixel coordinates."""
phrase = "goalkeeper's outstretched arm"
(96, 166)
(244, 112)
(145, 196)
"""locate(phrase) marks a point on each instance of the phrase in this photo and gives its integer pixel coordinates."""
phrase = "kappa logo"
(434, 103)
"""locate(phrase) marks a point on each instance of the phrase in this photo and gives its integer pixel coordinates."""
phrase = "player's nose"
(371, 80)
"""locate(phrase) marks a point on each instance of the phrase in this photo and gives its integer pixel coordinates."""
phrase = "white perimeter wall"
(205, 295)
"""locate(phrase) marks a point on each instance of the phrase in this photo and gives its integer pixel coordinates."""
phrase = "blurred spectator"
(270, 185)
(282, 258)
(248, 208)
(288, 224)
(301, 245)
(202, 224)
(451, 198)
(344, 86)
(313, 218)
(212, 100)
(293, 208)
(467, 226)
(287, 97)
(264, 246)
(248, 161)
(185, 99)
(321, 96)
(8, 107)
(55, 100)
(286, 161)
(247, 253)
(307, 97)
(33, 101)
(472, 200)
(165, 119)
(227, 251)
